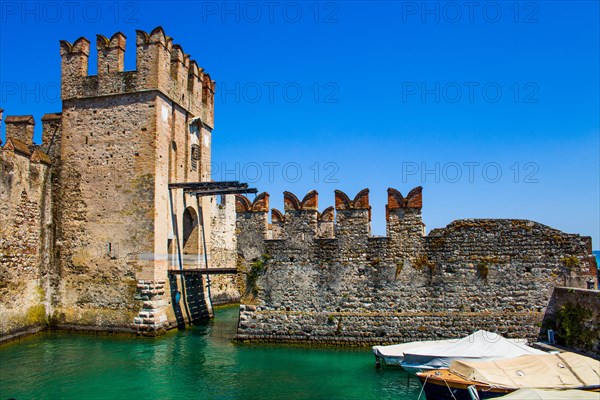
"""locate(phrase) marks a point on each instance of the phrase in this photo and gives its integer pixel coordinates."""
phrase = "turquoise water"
(198, 363)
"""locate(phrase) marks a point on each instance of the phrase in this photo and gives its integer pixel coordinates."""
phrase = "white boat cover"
(549, 394)
(552, 371)
(394, 354)
(478, 346)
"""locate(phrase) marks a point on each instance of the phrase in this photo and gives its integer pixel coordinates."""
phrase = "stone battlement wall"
(349, 217)
(26, 230)
(335, 283)
(160, 65)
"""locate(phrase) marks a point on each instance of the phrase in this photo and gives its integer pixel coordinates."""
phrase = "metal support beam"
(217, 192)
(201, 218)
(201, 271)
(212, 188)
(208, 185)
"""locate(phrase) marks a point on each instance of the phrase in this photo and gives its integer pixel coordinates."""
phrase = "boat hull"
(389, 361)
(443, 385)
(439, 392)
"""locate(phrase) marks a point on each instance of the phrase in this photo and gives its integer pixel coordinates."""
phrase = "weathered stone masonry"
(574, 315)
(89, 226)
(312, 279)
(125, 136)
(26, 229)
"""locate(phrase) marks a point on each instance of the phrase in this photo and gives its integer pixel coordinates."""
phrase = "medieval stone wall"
(26, 231)
(351, 288)
(107, 207)
(574, 315)
(223, 251)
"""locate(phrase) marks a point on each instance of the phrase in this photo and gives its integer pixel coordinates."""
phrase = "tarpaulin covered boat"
(495, 378)
(393, 355)
(551, 394)
(480, 346)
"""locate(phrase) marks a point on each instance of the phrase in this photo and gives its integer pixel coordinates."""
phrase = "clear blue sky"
(369, 94)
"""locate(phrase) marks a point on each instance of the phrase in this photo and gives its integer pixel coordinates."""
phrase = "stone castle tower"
(121, 139)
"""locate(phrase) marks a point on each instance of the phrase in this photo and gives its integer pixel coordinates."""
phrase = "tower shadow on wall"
(192, 299)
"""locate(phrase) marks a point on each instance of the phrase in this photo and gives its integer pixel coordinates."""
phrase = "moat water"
(198, 363)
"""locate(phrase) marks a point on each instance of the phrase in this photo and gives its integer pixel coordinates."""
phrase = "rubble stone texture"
(26, 237)
(574, 315)
(341, 285)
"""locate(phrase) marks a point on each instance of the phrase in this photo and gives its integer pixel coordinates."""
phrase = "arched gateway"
(190, 239)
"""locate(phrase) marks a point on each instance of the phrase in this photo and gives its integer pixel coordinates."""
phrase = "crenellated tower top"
(160, 65)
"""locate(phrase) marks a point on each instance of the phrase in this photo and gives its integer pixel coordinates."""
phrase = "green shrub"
(257, 268)
(570, 322)
(570, 262)
(420, 262)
